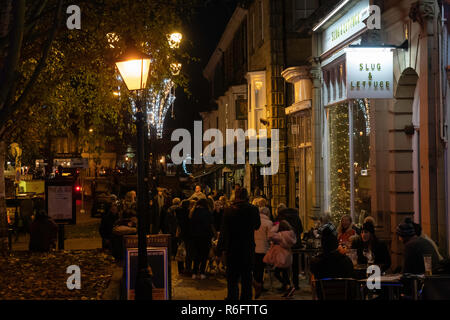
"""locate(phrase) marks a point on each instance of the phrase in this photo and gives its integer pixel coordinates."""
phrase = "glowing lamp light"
(78, 188)
(112, 38)
(134, 68)
(174, 40)
(258, 85)
(175, 68)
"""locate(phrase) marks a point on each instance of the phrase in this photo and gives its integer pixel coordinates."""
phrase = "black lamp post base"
(144, 285)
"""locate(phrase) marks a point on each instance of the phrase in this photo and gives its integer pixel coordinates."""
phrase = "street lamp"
(134, 69)
(174, 40)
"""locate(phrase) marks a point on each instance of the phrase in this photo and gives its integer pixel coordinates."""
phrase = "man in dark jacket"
(171, 222)
(415, 249)
(331, 263)
(291, 216)
(159, 213)
(182, 215)
(43, 233)
(237, 243)
(201, 230)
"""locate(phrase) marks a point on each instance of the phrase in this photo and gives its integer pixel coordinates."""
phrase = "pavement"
(84, 236)
(214, 287)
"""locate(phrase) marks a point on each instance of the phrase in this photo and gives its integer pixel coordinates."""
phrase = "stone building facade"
(393, 166)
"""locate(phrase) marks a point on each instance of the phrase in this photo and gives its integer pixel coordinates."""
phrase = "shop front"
(346, 123)
(374, 106)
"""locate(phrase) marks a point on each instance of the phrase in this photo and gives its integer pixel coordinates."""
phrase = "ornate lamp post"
(134, 69)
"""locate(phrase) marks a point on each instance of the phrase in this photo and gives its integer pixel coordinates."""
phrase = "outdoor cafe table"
(392, 284)
(308, 254)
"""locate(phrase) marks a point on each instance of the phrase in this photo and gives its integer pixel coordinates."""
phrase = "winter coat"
(172, 220)
(415, 249)
(198, 195)
(201, 223)
(345, 236)
(285, 239)
(380, 253)
(237, 236)
(291, 216)
(43, 234)
(262, 234)
(107, 224)
(280, 254)
(332, 265)
(182, 215)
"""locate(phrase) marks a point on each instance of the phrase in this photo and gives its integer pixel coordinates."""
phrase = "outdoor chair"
(436, 288)
(336, 289)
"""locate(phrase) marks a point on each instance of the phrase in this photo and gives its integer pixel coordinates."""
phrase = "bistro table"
(307, 254)
(392, 284)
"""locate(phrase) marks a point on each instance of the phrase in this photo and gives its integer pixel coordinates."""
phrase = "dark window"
(304, 8)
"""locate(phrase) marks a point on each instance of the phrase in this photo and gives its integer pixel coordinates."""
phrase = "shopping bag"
(181, 252)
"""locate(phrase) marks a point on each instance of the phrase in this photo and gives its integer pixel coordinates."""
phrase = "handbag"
(181, 252)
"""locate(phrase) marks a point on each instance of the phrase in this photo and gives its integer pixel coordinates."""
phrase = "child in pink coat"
(283, 238)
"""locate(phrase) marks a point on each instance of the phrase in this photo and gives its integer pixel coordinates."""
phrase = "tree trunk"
(3, 215)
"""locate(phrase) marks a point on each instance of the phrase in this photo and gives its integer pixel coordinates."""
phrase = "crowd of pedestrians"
(246, 238)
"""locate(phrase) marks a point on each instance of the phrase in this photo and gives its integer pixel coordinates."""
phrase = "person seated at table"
(326, 223)
(346, 230)
(419, 233)
(331, 263)
(43, 232)
(415, 248)
(370, 250)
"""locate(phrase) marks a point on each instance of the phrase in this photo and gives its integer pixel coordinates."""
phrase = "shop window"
(258, 94)
(361, 154)
(301, 130)
(338, 162)
(308, 130)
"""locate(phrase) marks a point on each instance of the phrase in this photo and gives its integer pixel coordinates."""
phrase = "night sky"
(200, 36)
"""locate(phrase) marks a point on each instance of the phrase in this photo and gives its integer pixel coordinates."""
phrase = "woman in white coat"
(261, 247)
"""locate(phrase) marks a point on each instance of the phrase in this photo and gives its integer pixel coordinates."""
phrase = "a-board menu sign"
(158, 247)
(60, 201)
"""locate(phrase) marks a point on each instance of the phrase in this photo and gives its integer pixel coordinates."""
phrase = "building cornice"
(295, 74)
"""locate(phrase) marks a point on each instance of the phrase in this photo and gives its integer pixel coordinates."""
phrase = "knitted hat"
(406, 229)
(329, 240)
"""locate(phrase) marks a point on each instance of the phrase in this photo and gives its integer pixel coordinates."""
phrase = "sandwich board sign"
(158, 247)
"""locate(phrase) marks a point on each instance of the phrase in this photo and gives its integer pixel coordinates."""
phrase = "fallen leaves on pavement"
(26, 276)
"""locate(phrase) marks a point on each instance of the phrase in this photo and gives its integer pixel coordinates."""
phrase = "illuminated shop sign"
(348, 25)
(369, 73)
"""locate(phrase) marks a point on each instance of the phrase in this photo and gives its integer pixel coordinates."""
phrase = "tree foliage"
(74, 92)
